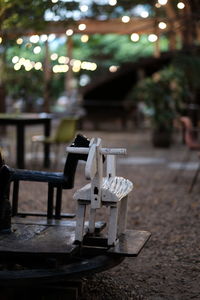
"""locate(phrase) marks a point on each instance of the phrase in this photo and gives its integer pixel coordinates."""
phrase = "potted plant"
(162, 95)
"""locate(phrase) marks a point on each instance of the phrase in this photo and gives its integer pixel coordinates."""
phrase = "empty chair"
(190, 139)
(64, 134)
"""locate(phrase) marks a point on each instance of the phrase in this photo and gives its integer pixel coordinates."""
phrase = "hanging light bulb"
(135, 37)
(112, 2)
(181, 5)
(152, 38)
(125, 19)
(82, 27)
(162, 2)
(162, 25)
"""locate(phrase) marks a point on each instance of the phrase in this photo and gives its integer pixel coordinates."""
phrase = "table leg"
(47, 129)
(20, 147)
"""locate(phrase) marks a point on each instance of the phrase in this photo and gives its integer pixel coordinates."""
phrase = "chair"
(64, 133)
(57, 181)
(110, 191)
(192, 143)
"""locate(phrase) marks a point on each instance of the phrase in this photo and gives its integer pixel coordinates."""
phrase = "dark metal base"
(44, 251)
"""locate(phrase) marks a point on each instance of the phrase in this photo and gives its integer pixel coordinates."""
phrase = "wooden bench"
(110, 191)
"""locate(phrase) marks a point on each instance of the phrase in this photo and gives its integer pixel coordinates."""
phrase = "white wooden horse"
(110, 191)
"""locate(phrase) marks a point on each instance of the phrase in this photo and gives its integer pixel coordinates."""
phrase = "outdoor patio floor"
(168, 267)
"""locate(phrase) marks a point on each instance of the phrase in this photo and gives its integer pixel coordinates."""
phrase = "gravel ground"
(169, 266)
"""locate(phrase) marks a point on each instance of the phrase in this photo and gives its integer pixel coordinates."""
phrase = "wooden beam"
(137, 25)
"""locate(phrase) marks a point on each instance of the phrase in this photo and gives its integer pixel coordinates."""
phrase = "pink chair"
(190, 139)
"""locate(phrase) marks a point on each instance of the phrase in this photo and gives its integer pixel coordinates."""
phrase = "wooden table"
(20, 121)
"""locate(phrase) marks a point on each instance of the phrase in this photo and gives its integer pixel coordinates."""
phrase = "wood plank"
(130, 243)
(36, 239)
(99, 226)
(42, 238)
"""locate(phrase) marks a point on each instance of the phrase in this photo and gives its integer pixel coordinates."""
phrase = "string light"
(1, 39)
(162, 25)
(15, 59)
(157, 5)
(19, 41)
(125, 19)
(113, 69)
(51, 37)
(84, 38)
(76, 69)
(38, 65)
(112, 2)
(54, 56)
(60, 68)
(162, 2)
(69, 32)
(152, 38)
(63, 60)
(135, 37)
(84, 8)
(54, 1)
(37, 50)
(181, 5)
(82, 27)
(17, 67)
(86, 65)
(43, 38)
(144, 14)
(34, 39)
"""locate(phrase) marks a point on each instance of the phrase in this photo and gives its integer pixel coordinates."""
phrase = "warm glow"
(113, 69)
(84, 38)
(69, 32)
(76, 63)
(76, 68)
(157, 5)
(51, 37)
(17, 66)
(144, 14)
(22, 60)
(54, 56)
(152, 38)
(15, 59)
(37, 50)
(112, 2)
(54, 1)
(82, 27)
(84, 8)
(19, 41)
(181, 5)
(63, 60)
(43, 37)
(86, 65)
(34, 39)
(162, 2)
(28, 67)
(135, 37)
(38, 65)
(162, 25)
(125, 19)
(60, 68)
(1, 39)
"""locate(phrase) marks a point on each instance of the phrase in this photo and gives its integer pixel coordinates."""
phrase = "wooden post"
(69, 75)
(172, 28)
(157, 46)
(47, 78)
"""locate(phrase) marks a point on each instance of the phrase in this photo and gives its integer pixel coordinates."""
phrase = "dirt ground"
(168, 267)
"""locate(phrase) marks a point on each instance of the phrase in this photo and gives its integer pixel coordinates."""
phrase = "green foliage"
(163, 93)
(169, 91)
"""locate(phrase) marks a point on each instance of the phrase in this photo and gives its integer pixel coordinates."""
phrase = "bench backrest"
(94, 166)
